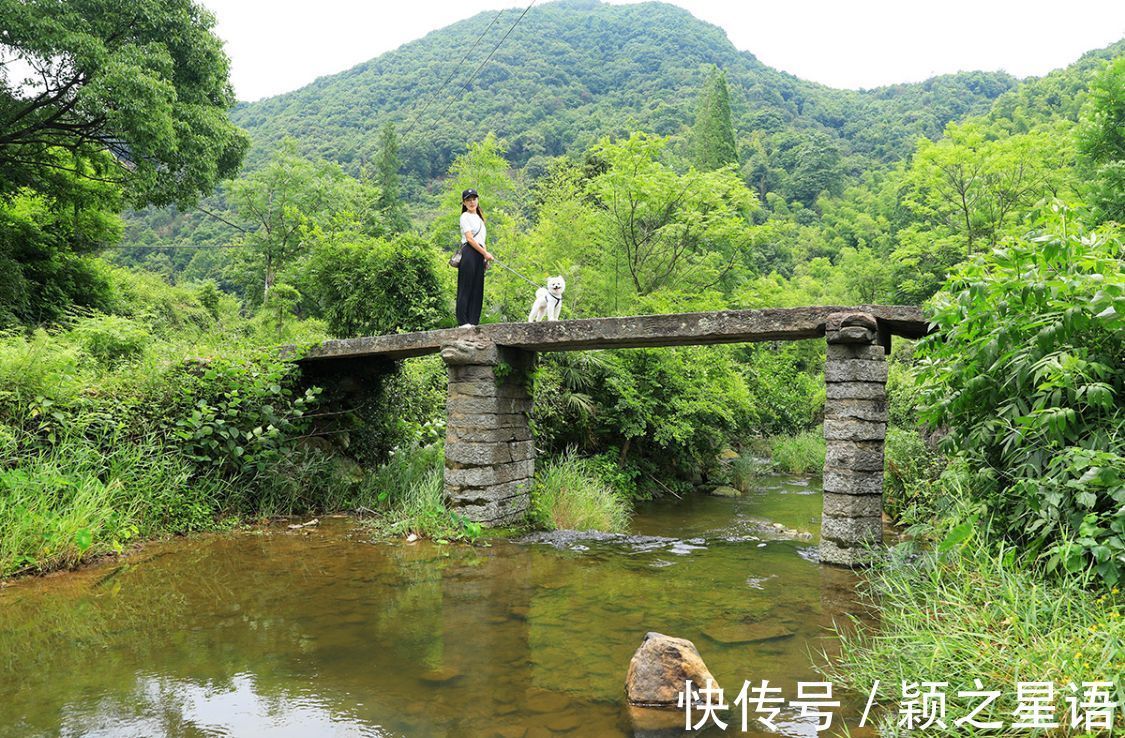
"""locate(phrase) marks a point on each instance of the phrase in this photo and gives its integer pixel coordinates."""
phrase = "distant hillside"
(573, 70)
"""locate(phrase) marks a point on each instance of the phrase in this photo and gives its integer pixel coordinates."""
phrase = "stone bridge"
(490, 453)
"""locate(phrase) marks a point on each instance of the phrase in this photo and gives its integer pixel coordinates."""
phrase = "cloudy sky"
(279, 45)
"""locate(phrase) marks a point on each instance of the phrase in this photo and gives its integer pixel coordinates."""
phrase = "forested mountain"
(574, 70)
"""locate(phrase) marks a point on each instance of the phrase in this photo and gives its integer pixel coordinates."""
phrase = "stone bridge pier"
(489, 453)
(855, 425)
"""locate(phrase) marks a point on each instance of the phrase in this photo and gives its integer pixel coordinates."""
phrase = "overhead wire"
(454, 71)
(465, 86)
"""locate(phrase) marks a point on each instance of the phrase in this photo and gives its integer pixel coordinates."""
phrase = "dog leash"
(513, 271)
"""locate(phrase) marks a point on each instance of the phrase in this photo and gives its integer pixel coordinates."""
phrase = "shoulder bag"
(455, 260)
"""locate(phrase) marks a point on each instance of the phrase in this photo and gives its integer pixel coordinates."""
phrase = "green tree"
(976, 181)
(1101, 143)
(145, 82)
(484, 169)
(664, 229)
(713, 134)
(291, 204)
(367, 287)
(387, 166)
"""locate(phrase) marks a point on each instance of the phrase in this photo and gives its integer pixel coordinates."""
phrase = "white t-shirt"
(475, 225)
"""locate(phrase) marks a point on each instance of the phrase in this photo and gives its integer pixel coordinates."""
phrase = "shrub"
(237, 415)
(1027, 372)
(110, 339)
(410, 492)
(371, 287)
(568, 494)
(666, 413)
(799, 454)
(38, 373)
(786, 394)
(909, 468)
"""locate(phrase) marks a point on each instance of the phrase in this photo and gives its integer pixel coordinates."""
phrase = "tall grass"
(67, 502)
(568, 494)
(971, 609)
(799, 454)
(409, 494)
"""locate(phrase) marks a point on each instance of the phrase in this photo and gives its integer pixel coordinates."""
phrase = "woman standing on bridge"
(474, 260)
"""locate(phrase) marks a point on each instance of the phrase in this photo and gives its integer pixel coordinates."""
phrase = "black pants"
(470, 286)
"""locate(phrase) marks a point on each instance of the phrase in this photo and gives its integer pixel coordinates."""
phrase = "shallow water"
(320, 632)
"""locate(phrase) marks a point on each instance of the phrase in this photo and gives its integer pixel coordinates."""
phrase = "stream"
(322, 632)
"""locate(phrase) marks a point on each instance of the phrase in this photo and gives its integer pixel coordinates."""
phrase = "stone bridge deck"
(489, 449)
(677, 329)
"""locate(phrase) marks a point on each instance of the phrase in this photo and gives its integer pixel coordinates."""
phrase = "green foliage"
(713, 133)
(69, 501)
(110, 338)
(387, 166)
(1101, 142)
(799, 454)
(1028, 375)
(977, 610)
(975, 182)
(368, 287)
(909, 470)
(169, 311)
(786, 388)
(664, 229)
(665, 413)
(289, 204)
(410, 491)
(44, 243)
(146, 83)
(569, 494)
(237, 416)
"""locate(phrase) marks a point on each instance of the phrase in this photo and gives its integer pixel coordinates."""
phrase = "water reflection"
(319, 632)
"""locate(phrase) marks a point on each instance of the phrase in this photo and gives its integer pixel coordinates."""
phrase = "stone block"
(855, 455)
(457, 434)
(471, 373)
(468, 421)
(855, 370)
(486, 476)
(849, 482)
(834, 553)
(855, 391)
(851, 531)
(487, 388)
(872, 410)
(474, 350)
(839, 321)
(852, 506)
(854, 334)
(850, 429)
(848, 351)
(496, 511)
(481, 495)
(478, 454)
(487, 405)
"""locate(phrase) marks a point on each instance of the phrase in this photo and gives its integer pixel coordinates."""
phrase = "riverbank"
(957, 605)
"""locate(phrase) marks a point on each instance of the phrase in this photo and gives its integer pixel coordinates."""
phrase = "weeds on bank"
(408, 492)
(76, 499)
(569, 494)
(968, 609)
(799, 454)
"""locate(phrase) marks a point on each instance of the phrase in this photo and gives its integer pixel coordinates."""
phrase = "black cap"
(469, 193)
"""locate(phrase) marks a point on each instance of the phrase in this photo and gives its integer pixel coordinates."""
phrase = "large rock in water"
(660, 668)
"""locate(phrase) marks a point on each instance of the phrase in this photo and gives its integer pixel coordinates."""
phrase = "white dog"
(548, 300)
